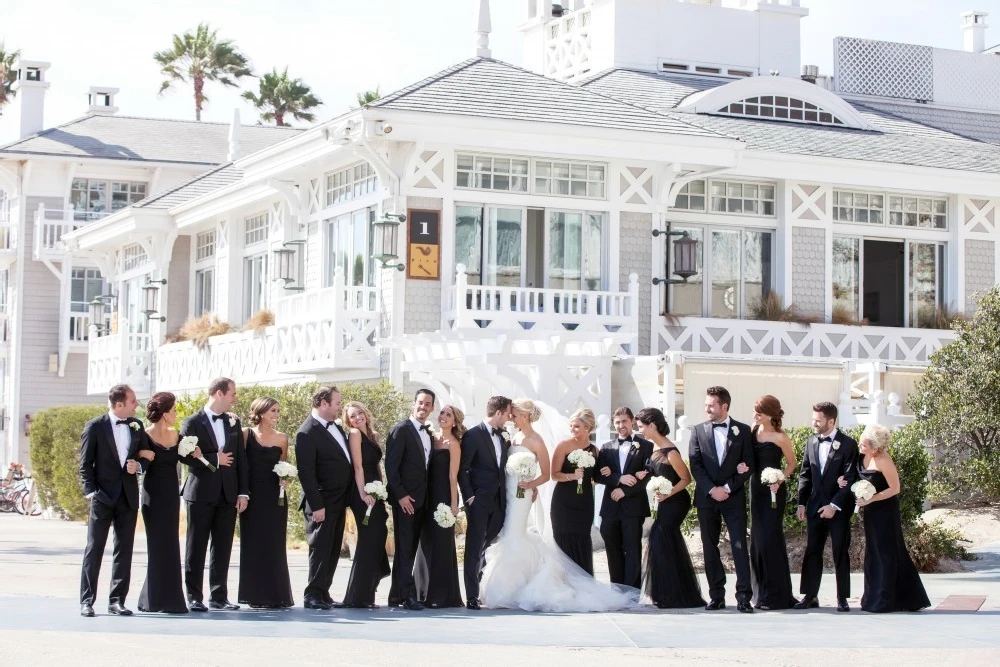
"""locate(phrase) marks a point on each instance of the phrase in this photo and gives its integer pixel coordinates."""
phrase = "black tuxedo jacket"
(634, 504)
(708, 471)
(325, 472)
(816, 488)
(405, 464)
(227, 482)
(479, 475)
(101, 470)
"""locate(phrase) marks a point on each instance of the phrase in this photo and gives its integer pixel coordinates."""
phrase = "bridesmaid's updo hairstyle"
(770, 407)
(259, 408)
(526, 406)
(158, 405)
(586, 417)
(878, 437)
(655, 418)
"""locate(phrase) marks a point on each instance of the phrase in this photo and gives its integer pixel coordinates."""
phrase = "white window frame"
(538, 181)
(488, 166)
(587, 179)
(894, 205)
(255, 229)
(781, 107)
(255, 266)
(204, 246)
(349, 183)
(759, 200)
(690, 194)
(135, 191)
(201, 295)
(331, 241)
(133, 258)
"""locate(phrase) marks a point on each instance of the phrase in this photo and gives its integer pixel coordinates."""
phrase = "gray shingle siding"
(809, 270)
(636, 256)
(980, 270)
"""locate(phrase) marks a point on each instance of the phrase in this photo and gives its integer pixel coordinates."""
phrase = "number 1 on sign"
(423, 229)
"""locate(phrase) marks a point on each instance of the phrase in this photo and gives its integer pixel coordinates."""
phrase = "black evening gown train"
(371, 563)
(891, 579)
(771, 574)
(264, 580)
(671, 582)
(435, 570)
(572, 515)
(162, 590)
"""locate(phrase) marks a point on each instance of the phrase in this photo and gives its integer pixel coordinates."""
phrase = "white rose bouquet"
(581, 458)
(286, 471)
(186, 447)
(864, 490)
(657, 485)
(443, 516)
(378, 491)
(771, 476)
(523, 466)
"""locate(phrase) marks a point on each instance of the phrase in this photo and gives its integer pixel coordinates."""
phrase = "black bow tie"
(825, 439)
(327, 425)
(121, 421)
(216, 418)
(722, 425)
(425, 427)
(624, 440)
(498, 433)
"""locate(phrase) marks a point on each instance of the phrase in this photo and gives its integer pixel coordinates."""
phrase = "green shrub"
(55, 457)
(930, 543)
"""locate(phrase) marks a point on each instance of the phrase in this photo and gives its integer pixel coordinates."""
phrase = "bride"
(525, 570)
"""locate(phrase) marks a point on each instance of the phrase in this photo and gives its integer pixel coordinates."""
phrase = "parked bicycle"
(18, 492)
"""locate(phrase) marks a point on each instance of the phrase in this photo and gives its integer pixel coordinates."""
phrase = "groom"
(717, 448)
(482, 477)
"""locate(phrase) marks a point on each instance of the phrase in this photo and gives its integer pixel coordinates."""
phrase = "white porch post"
(462, 318)
(339, 312)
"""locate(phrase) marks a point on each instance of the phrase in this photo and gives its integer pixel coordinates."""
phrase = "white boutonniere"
(835, 445)
(505, 435)
(134, 426)
(339, 422)
(736, 430)
(230, 419)
(635, 445)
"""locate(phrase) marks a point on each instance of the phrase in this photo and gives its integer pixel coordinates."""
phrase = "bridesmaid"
(670, 579)
(891, 579)
(264, 580)
(371, 563)
(162, 590)
(772, 578)
(572, 513)
(436, 568)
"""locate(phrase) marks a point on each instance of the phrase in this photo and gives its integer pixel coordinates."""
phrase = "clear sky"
(340, 47)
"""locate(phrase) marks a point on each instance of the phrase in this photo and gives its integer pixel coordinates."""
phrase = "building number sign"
(424, 246)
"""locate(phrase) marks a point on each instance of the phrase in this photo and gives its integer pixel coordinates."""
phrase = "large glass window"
(204, 291)
(254, 284)
(847, 274)
(132, 305)
(349, 247)
(469, 241)
(95, 198)
(926, 283)
(85, 286)
(576, 250)
(504, 265)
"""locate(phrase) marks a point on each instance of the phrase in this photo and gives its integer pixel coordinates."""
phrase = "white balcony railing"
(50, 227)
(756, 338)
(511, 309)
(117, 359)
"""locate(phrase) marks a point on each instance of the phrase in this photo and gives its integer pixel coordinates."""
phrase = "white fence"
(119, 358)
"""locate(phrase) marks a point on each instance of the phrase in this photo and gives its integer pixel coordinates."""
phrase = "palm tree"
(280, 96)
(198, 58)
(8, 75)
(368, 97)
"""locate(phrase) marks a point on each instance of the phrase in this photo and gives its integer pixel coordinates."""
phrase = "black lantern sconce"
(151, 299)
(385, 236)
(685, 257)
(96, 313)
(287, 263)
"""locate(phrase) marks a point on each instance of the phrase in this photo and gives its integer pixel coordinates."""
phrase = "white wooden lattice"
(965, 79)
(636, 186)
(884, 69)
(979, 216)
(428, 170)
(810, 202)
(568, 46)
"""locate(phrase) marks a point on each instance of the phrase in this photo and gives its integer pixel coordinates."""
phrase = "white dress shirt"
(332, 429)
(721, 437)
(624, 447)
(496, 441)
(825, 448)
(425, 439)
(219, 429)
(123, 439)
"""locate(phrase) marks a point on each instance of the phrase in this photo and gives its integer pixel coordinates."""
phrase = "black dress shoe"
(336, 605)
(842, 605)
(413, 605)
(744, 607)
(116, 609)
(762, 607)
(808, 602)
(225, 605)
(473, 604)
(197, 605)
(715, 605)
(87, 610)
(313, 603)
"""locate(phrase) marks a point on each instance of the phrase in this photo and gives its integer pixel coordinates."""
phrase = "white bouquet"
(523, 466)
(378, 491)
(657, 485)
(581, 458)
(863, 489)
(771, 476)
(443, 516)
(284, 470)
(186, 447)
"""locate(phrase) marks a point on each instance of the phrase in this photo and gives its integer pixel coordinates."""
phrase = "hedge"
(55, 457)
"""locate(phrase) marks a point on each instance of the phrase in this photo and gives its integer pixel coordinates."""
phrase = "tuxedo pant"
(485, 520)
(325, 539)
(215, 522)
(101, 519)
(406, 533)
(710, 521)
(623, 546)
(839, 530)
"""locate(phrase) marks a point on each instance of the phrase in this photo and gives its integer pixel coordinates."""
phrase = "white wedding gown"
(525, 571)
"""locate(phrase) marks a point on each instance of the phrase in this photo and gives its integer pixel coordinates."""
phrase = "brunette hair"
(118, 394)
(159, 404)
(623, 411)
(497, 404)
(369, 419)
(770, 407)
(459, 428)
(220, 384)
(654, 417)
(722, 394)
(828, 409)
(324, 394)
(430, 393)
(259, 408)
(586, 417)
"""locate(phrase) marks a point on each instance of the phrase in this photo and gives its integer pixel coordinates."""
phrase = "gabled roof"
(202, 184)
(134, 139)
(977, 125)
(489, 88)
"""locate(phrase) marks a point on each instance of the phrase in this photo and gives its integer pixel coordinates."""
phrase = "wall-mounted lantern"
(385, 236)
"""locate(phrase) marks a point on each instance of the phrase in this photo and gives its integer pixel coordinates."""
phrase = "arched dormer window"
(776, 98)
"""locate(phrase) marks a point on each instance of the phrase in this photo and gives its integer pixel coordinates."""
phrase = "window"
(691, 197)
(918, 212)
(350, 183)
(85, 286)
(576, 250)
(254, 284)
(204, 291)
(255, 229)
(781, 108)
(858, 207)
(95, 198)
(349, 247)
(483, 172)
(739, 197)
(575, 179)
(204, 246)
(926, 283)
(133, 257)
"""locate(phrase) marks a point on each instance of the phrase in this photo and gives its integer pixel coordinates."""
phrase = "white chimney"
(974, 31)
(234, 137)
(101, 100)
(29, 101)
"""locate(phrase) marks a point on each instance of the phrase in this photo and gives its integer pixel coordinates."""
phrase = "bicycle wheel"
(28, 505)
(17, 498)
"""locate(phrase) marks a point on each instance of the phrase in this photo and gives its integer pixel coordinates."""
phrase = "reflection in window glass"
(469, 241)
(926, 283)
(726, 268)
(565, 245)
(846, 275)
(504, 266)
(757, 266)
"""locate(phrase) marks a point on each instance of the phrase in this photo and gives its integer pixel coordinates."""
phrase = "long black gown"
(435, 571)
(162, 591)
(371, 563)
(771, 575)
(670, 579)
(264, 580)
(891, 579)
(572, 515)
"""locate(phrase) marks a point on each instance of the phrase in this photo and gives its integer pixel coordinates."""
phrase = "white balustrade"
(50, 227)
(119, 358)
(247, 357)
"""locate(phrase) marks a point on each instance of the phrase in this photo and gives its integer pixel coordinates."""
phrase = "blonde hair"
(526, 406)
(459, 427)
(586, 417)
(369, 420)
(879, 437)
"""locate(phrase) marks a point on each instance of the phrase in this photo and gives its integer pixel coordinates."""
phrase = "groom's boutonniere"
(736, 431)
(635, 445)
(505, 435)
(134, 425)
(835, 445)
(339, 422)
(231, 419)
